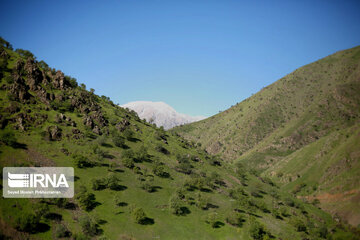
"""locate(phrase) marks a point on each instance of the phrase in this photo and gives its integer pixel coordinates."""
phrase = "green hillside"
(302, 131)
(133, 180)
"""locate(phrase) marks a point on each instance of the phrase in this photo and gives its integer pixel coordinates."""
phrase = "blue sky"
(198, 56)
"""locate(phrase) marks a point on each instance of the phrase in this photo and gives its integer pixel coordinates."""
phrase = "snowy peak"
(160, 113)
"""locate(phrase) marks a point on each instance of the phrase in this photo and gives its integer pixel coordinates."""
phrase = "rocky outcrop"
(54, 133)
(19, 89)
(89, 122)
(97, 130)
(34, 75)
(121, 126)
(76, 133)
(59, 80)
(44, 96)
(61, 118)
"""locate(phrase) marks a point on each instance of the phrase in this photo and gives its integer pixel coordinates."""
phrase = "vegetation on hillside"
(133, 180)
(302, 131)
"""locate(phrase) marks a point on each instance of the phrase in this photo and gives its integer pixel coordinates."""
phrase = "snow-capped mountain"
(160, 113)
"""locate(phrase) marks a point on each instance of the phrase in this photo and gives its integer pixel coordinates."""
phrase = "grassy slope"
(305, 124)
(116, 222)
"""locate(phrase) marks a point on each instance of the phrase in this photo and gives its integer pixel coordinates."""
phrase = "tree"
(98, 184)
(176, 205)
(82, 162)
(212, 219)
(61, 231)
(139, 216)
(142, 154)
(25, 53)
(159, 170)
(118, 140)
(201, 201)
(5, 43)
(8, 138)
(257, 230)
(299, 225)
(41, 209)
(27, 222)
(86, 199)
(128, 134)
(235, 219)
(113, 182)
(89, 225)
(128, 162)
(161, 149)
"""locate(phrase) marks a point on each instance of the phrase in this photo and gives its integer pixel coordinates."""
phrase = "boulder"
(54, 133)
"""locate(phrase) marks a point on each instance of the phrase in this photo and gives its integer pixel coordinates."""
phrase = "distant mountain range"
(161, 114)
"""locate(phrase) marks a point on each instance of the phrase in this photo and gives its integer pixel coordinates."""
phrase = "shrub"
(25, 53)
(82, 162)
(322, 231)
(118, 141)
(88, 225)
(139, 216)
(142, 154)
(128, 162)
(61, 231)
(299, 225)
(159, 170)
(176, 205)
(86, 200)
(235, 219)
(8, 138)
(147, 186)
(98, 184)
(184, 167)
(113, 182)
(128, 134)
(27, 222)
(161, 149)
(257, 230)
(212, 219)
(201, 201)
(290, 202)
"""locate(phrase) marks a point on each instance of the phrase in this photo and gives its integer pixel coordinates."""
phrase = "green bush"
(86, 200)
(142, 154)
(61, 231)
(128, 162)
(118, 141)
(113, 182)
(128, 134)
(257, 230)
(159, 170)
(98, 184)
(176, 205)
(212, 219)
(82, 162)
(8, 138)
(27, 222)
(88, 225)
(139, 216)
(235, 219)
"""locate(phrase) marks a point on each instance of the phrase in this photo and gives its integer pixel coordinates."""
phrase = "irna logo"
(16, 180)
(38, 182)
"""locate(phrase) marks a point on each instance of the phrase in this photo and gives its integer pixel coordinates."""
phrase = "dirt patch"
(11, 233)
(346, 205)
(38, 160)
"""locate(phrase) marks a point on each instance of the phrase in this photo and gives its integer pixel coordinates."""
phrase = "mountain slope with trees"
(302, 131)
(133, 180)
